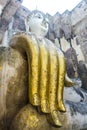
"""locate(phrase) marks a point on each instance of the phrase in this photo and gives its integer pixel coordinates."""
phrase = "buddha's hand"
(47, 79)
(47, 74)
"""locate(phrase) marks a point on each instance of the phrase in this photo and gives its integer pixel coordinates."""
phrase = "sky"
(50, 6)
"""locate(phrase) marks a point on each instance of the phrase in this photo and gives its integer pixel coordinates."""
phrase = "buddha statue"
(32, 83)
(46, 67)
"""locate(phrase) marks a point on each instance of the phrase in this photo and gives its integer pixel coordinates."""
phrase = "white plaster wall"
(65, 46)
(1, 8)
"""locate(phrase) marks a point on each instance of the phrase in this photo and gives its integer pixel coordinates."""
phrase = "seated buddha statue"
(46, 67)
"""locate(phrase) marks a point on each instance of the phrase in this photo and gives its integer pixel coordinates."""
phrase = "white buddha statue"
(37, 23)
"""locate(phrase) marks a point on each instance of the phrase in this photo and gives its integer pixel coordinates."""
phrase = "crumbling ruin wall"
(69, 27)
(7, 9)
(72, 24)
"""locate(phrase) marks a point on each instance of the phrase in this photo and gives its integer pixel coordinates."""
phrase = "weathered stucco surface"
(13, 85)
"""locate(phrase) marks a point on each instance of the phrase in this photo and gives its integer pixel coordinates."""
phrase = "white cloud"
(50, 6)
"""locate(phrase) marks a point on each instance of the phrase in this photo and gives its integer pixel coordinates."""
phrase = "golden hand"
(47, 74)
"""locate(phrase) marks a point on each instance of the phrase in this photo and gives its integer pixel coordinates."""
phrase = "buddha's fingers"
(53, 71)
(28, 44)
(34, 72)
(68, 81)
(44, 75)
(53, 118)
(61, 79)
